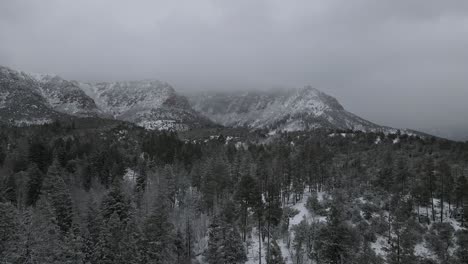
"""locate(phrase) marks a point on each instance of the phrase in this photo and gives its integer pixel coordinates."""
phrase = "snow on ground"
(378, 140)
(303, 212)
(321, 196)
(286, 252)
(446, 219)
(130, 175)
(3, 98)
(162, 125)
(37, 121)
(252, 243)
(253, 247)
(379, 245)
(421, 250)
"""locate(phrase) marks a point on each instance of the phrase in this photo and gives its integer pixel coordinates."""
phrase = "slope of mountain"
(35, 99)
(286, 110)
(21, 100)
(66, 96)
(149, 103)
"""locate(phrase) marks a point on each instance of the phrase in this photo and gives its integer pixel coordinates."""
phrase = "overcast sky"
(402, 63)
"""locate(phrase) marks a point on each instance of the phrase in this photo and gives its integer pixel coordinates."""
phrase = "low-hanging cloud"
(399, 63)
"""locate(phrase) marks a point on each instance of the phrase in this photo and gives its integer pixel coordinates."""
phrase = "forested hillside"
(116, 193)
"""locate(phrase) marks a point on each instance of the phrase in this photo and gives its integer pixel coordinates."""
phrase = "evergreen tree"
(140, 186)
(274, 256)
(368, 256)
(462, 250)
(300, 239)
(42, 240)
(34, 184)
(39, 155)
(55, 191)
(336, 242)
(110, 243)
(224, 243)
(116, 202)
(159, 237)
(440, 239)
(93, 226)
(9, 228)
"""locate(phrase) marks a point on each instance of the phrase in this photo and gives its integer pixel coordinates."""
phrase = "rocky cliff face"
(149, 103)
(35, 99)
(287, 110)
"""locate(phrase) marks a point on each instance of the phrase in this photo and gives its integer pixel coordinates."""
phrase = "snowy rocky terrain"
(149, 103)
(22, 101)
(285, 110)
(37, 99)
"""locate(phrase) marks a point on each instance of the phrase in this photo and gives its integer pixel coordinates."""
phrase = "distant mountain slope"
(149, 103)
(22, 101)
(35, 99)
(66, 96)
(286, 110)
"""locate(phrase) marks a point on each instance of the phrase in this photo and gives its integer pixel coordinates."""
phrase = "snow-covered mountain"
(66, 96)
(27, 98)
(284, 110)
(22, 101)
(35, 98)
(149, 103)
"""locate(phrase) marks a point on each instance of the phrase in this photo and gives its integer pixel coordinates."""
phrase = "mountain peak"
(287, 110)
(150, 103)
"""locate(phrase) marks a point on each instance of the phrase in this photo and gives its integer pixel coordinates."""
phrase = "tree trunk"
(427, 215)
(259, 243)
(449, 208)
(442, 198)
(244, 224)
(268, 229)
(419, 216)
(432, 207)
(398, 247)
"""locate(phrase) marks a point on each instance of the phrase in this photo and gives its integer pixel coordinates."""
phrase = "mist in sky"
(402, 63)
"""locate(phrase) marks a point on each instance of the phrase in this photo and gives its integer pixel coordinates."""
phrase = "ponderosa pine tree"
(224, 243)
(440, 240)
(301, 233)
(39, 154)
(462, 250)
(336, 242)
(9, 233)
(141, 181)
(56, 191)
(116, 202)
(159, 235)
(274, 256)
(43, 240)
(109, 248)
(34, 184)
(368, 255)
(93, 225)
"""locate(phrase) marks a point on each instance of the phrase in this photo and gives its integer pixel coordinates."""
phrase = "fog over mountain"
(396, 63)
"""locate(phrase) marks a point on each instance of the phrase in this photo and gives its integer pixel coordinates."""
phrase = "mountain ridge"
(282, 110)
(40, 98)
(149, 103)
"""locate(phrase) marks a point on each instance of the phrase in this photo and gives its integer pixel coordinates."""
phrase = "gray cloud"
(399, 63)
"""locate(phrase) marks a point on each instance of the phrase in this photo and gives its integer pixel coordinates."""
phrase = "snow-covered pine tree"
(57, 193)
(274, 256)
(224, 243)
